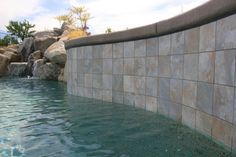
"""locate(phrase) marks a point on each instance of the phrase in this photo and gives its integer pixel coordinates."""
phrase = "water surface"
(38, 119)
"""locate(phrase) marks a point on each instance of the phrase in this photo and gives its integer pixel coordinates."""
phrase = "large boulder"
(49, 71)
(65, 72)
(45, 34)
(13, 46)
(61, 75)
(43, 43)
(2, 50)
(26, 48)
(12, 56)
(56, 53)
(58, 31)
(4, 62)
(68, 27)
(17, 69)
(32, 58)
(11, 50)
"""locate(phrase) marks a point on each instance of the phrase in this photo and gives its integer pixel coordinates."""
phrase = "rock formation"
(42, 56)
(26, 48)
(56, 53)
(4, 62)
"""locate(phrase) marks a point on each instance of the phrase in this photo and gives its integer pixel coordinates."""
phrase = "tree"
(108, 30)
(82, 15)
(67, 18)
(20, 29)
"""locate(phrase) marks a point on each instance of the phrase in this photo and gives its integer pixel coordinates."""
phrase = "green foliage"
(108, 30)
(7, 40)
(20, 29)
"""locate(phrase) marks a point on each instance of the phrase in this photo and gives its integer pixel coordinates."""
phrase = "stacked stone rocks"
(42, 56)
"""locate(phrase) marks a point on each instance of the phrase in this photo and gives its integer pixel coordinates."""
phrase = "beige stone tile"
(223, 102)
(140, 101)
(118, 50)
(164, 45)
(177, 43)
(192, 40)
(151, 104)
(207, 37)
(226, 33)
(206, 67)
(189, 116)
(204, 123)
(222, 131)
(140, 48)
(190, 93)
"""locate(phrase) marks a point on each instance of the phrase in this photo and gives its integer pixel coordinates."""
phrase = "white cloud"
(45, 21)
(14, 9)
(123, 14)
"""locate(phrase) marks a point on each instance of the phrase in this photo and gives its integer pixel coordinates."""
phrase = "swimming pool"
(38, 119)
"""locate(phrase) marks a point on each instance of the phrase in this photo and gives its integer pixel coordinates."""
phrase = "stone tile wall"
(188, 76)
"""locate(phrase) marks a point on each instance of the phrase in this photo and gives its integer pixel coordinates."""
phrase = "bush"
(8, 40)
(20, 29)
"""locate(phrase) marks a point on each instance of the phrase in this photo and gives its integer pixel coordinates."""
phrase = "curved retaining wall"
(183, 68)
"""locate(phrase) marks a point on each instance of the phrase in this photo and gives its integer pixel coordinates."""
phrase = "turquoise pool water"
(38, 119)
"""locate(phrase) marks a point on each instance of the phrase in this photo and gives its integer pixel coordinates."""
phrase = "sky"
(116, 14)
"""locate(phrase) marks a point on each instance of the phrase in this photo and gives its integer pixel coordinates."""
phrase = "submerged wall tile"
(151, 104)
(140, 101)
(222, 131)
(175, 111)
(118, 97)
(204, 123)
(129, 99)
(189, 116)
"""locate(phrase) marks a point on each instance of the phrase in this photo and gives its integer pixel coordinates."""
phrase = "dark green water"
(38, 119)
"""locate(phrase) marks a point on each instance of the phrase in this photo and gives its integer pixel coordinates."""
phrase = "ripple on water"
(38, 119)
